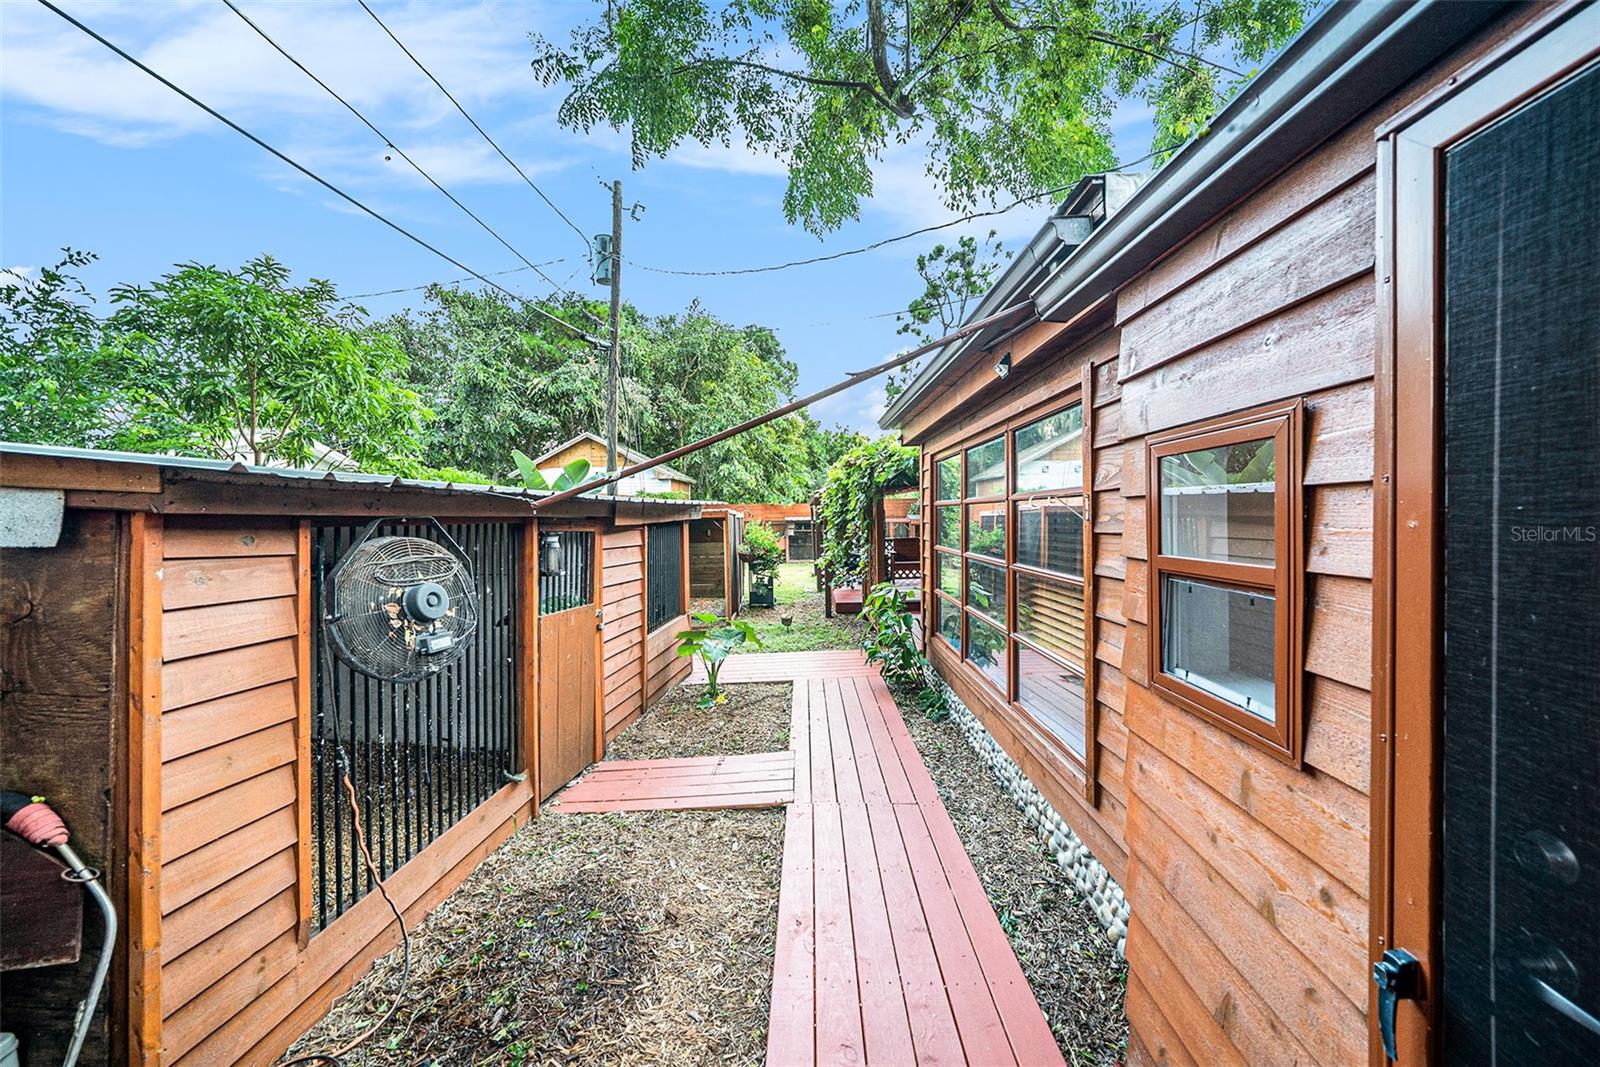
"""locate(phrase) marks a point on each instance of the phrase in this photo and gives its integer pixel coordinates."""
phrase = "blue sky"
(96, 155)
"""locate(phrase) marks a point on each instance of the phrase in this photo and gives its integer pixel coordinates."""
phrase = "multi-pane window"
(1009, 529)
(1224, 563)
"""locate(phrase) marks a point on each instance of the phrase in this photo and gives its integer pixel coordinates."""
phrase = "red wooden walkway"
(888, 950)
(764, 780)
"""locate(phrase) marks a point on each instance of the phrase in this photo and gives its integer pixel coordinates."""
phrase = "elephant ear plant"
(713, 641)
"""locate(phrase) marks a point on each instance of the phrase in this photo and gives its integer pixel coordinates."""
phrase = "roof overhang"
(136, 481)
(1349, 59)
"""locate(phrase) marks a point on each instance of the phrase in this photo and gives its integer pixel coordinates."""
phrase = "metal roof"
(268, 475)
(1345, 62)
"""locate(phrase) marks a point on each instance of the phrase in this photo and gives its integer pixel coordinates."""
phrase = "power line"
(325, 183)
(386, 139)
(452, 281)
(484, 133)
(878, 244)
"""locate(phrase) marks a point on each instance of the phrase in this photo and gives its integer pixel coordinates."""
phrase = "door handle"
(1398, 976)
(1553, 999)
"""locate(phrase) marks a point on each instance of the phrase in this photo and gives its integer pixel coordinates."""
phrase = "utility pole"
(616, 334)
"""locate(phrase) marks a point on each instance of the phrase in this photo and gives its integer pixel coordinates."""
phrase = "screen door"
(1520, 904)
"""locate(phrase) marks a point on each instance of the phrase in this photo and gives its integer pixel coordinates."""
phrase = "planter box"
(762, 593)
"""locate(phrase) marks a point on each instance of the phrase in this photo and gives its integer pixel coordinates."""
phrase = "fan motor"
(425, 602)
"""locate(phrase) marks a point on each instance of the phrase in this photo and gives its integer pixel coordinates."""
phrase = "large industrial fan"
(399, 609)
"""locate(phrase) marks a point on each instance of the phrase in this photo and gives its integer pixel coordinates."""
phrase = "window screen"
(663, 575)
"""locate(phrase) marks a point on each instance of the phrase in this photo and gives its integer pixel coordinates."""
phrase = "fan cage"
(422, 755)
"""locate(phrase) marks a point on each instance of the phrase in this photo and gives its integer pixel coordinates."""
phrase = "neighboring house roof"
(1345, 62)
(626, 454)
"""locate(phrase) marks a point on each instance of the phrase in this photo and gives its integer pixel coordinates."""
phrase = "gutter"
(1345, 62)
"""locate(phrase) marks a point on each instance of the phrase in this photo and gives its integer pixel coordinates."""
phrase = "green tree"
(502, 377)
(1008, 97)
(854, 482)
(207, 362)
(953, 278)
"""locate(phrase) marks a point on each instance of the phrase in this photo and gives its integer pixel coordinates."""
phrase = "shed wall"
(623, 651)
(62, 699)
(240, 975)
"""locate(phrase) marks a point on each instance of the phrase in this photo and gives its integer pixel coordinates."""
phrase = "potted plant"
(713, 640)
(763, 552)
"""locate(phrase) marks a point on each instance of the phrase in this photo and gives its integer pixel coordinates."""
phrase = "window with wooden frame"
(1010, 589)
(1225, 567)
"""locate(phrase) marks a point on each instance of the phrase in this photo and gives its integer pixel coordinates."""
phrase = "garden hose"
(37, 823)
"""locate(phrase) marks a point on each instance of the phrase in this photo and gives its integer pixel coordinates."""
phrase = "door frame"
(1407, 522)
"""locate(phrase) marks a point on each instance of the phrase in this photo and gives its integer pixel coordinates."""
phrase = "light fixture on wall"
(552, 559)
(1002, 366)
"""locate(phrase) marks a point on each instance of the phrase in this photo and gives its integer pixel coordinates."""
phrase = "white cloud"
(63, 77)
(856, 409)
(732, 159)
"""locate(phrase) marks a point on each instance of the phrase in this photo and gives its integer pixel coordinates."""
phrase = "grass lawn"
(799, 601)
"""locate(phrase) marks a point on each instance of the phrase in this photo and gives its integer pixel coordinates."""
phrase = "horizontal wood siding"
(622, 599)
(1248, 877)
(665, 668)
(229, 834)
(240, 976)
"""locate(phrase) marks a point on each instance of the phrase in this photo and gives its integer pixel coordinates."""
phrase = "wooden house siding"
(1247, 874)
(240, 975)
(623, 651)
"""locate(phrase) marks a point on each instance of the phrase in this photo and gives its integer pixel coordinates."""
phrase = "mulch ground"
(754, 719)
(626, 938)
(1074, 971)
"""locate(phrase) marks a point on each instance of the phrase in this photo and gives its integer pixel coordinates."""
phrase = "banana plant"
(572, 475)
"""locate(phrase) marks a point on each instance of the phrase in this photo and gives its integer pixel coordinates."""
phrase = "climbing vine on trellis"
(855, 480)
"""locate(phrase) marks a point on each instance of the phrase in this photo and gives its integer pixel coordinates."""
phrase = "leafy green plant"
(855, 480)
(762, 549)
(891, 643)
(207, 362)
(572, 475)
(714, 640)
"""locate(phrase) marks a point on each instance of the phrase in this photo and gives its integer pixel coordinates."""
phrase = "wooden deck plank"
(791, 1025)
(885, 1023)
(839, 1028)
(800, 742)
(888, 950)
(773, 799)
(933, 1024)
(846, 778)
(983, 1034)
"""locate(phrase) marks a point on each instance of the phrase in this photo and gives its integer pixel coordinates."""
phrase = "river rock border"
(1056, 838)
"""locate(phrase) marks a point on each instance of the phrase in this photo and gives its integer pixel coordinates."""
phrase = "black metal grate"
(421, 756)
(573, 585)
(663, 575)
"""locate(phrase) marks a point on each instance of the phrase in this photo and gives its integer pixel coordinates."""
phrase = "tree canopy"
(502, 377)
(211, 362)
(208, 362)
(1008, 97)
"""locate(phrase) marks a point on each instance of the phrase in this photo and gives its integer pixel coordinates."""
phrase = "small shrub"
(713, 641)
(891, 643)
(765, 550)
